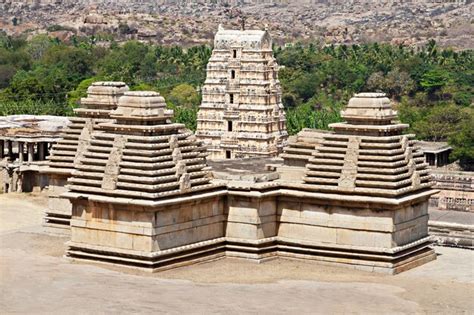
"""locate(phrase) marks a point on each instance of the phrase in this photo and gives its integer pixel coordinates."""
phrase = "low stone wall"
(456, 191)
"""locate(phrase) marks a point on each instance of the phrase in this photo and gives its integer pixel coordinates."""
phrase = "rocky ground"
(194, 23)
(35, 278)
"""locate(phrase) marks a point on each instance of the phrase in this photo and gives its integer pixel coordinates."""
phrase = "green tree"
(184, 95)
(463, 142)
(442, 122)
(434, 79)
(38, 45)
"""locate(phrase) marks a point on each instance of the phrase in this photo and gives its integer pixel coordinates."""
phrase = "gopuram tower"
(241, 114)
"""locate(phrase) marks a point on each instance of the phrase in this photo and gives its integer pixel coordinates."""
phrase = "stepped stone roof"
(301, 146)
(368, 154)
(141, 155)
(102, 98)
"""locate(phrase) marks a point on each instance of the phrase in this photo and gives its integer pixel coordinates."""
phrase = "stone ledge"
(391, 263)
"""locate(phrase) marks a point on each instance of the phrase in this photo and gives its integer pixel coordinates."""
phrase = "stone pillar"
(21, 150)
(31, 152)
(41, 151)
(2, 148)
(10, 149)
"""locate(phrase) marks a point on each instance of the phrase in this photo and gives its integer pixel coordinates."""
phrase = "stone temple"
(241, 114)
(102, 97)
(143, 195)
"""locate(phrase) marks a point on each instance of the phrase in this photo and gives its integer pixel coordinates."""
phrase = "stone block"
(188, 236)
(355, 238)
(307, 232)
(59, 205)
(142, 243)
(242, 230)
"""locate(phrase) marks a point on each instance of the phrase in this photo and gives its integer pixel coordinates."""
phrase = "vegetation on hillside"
(432, 88)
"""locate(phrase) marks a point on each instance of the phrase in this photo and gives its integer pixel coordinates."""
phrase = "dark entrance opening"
(229, 125)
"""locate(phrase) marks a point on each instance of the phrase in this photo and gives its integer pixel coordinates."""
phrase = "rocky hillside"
(192, 22)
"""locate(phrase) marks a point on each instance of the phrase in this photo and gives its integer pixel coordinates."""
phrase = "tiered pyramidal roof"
(141, 154)
(102, 97)
(368, 154)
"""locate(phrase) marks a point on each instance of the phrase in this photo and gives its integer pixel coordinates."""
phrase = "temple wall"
(189, 223)
(312, 221)
(56, 203)
(132, 228)
(251, 218)
(247, 218)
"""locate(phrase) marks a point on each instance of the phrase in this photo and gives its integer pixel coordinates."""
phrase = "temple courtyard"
(35, 278)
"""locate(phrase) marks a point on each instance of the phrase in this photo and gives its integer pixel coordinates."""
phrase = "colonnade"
(35, 151)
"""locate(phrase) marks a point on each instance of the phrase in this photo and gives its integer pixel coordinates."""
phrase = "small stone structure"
(142, 195)
(25, 142)
(456, 191)
(102, 97)
(436, 153)
(241, 114)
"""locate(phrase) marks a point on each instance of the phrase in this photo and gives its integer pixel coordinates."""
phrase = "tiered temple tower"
(368, 154)
(102, 97)
(141, 192)
(241, 114)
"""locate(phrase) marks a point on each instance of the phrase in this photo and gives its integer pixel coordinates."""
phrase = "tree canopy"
(432, 88)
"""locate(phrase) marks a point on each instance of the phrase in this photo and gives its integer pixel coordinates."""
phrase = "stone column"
(41, 151)
(10, 149)
(21, 150)
(2, 148)
(31, 152)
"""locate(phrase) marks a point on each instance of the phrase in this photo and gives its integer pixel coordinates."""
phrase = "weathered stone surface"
(241, 114)
(361, 204)
(102, 97)
(368, 155)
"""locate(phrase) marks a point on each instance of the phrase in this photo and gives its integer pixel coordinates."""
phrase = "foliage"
(433, 88)
(184, 95)
(74, 96)
(463, 142)
(33, 107)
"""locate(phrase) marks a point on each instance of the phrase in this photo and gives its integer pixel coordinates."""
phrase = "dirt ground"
(36, 279)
